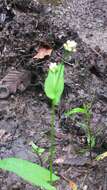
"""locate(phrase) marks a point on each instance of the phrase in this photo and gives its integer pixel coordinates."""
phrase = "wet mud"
(25, 116)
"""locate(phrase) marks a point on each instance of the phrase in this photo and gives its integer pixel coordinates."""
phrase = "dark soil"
(25, 117)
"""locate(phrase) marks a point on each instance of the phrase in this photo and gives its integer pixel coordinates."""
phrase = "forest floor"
(25, 117)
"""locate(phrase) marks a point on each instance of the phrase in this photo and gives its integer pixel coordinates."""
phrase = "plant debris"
(43, 52)
(13, 81)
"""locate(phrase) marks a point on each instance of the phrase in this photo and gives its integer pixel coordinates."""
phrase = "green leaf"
(29, 171)
(91, 140)
(37, 149)
(54, 84)
(75, 111)
(101, 156)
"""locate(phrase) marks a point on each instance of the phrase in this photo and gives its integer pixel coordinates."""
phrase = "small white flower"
(53, 67)
(70, 46)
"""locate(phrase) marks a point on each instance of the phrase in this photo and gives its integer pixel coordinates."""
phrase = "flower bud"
(53, 67)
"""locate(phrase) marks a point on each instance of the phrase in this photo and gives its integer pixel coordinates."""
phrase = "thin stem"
(88, 117)
(52, 140)
(90, 143)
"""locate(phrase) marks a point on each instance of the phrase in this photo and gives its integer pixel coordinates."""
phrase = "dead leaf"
(73, 185)
(72, 160)
(43, 52)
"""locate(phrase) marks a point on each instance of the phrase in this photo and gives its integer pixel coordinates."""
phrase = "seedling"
(39, 151)
(86, 123)
(54, 86)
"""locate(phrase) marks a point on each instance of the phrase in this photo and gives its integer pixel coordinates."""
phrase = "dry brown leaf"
(73, 185)
(43, 52)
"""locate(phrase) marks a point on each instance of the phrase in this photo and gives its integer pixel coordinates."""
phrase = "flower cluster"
(70, 46)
